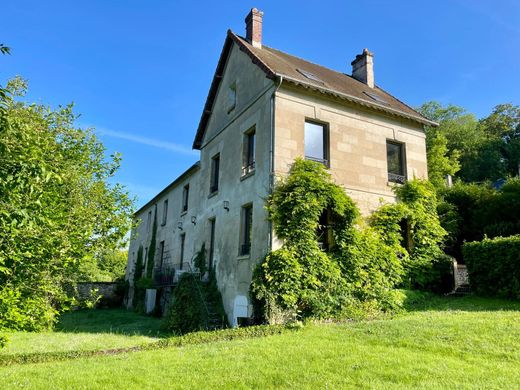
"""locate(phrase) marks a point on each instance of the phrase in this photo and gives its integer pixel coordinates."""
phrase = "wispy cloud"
(146, 141)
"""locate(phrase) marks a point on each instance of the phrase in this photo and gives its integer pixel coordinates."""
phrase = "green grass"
(443, 343)
(88, 330)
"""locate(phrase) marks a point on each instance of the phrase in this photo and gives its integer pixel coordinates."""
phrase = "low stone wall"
(111, 295)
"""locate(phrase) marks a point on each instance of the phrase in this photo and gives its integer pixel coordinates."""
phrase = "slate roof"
(290, 69)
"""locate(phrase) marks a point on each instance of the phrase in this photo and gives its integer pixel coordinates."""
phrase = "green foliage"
(199, 261)
(151, 251)
(138, 298)
(190, 303)
(488, 149)
(302, 279)
(108, 266)
(371, 268)
(57, 208)
(494, 266)
(3, 340)
(475, 211)
(412, 228)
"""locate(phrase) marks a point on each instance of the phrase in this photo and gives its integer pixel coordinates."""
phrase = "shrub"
(190, 303)
(3, 341)
(187, 312)
(412, 228)
(307, 279)
(494, 266)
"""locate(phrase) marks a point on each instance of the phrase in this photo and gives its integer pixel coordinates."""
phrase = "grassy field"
(88, 330)
(443, 343)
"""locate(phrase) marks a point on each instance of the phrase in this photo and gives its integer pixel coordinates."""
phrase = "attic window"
(310, 75)
(377, 98)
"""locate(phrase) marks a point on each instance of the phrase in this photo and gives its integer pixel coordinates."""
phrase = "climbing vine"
(331, 263)
(151, 252)
(326, 264)
(412, 226)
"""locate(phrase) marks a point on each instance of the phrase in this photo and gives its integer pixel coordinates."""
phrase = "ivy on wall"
(356, 271)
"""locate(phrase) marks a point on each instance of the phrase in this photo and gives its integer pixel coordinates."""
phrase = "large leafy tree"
(486, 149)
(57, 208)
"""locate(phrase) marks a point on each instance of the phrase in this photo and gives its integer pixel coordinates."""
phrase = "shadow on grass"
(115, 321)
(417, 301)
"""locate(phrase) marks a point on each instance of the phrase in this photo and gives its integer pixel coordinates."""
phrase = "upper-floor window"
(149, 221)
(248, 163)
(183, 241)
(317, 142)
(161, 253)
(231, 97)
(215, 168)
(185, 197)
(165, 212)
(246, 230)
(395, 157)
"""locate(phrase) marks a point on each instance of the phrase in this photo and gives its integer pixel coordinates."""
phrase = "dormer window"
(232, 97)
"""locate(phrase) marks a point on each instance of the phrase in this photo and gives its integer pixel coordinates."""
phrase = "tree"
(488, 149)
(450, 142)
(57, 209)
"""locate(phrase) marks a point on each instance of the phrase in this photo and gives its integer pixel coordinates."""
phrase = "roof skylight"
(376, 97)
(309, 75)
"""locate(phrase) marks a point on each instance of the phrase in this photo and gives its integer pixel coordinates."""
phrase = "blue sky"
(139, 71)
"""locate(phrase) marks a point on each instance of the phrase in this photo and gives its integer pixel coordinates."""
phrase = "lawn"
(443, 343)
(88, 330)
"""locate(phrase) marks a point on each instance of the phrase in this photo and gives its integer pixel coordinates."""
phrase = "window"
(161, 251)
(149, 221)
(232, 97)
(395, 156)
(185, 197)
(316, 142)
(248, 164)
(212, 222)
(323, 233)
(183, 240)
(215, 166)
(309, 75)
(165, 212)
(246, 230)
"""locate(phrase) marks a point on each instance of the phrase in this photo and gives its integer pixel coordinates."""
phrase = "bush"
(190, 303)
(353, 270)
(437, 276)
(187, 312)
(413, 230)
(3, 341)
(494, 266)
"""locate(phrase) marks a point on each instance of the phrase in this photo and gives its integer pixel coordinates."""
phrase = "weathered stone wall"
(108, 290)
(357, 142)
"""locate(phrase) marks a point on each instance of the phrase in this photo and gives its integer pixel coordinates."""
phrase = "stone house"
(264, 109)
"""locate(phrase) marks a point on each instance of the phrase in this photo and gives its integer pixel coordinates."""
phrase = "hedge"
(494, 266)
(175, 341)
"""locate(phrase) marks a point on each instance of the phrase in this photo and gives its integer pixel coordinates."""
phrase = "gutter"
(271, 159)
(359, 101)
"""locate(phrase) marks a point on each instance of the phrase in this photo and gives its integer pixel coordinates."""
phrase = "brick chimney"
(254, 27)
(363, 68)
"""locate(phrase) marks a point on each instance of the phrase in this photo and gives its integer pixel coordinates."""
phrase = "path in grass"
(88, 330)
(462, 343)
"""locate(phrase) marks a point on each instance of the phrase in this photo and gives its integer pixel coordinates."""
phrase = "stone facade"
(243, 101)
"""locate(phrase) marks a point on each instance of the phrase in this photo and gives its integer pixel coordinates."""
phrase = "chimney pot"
(363, 68)
(254, 27)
